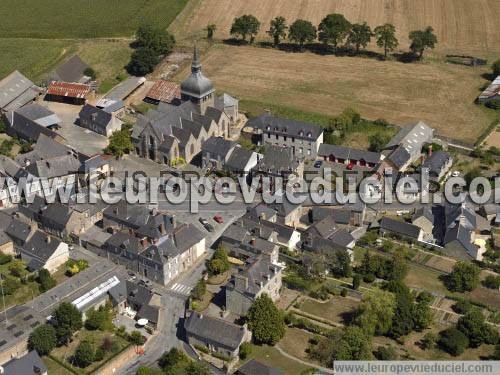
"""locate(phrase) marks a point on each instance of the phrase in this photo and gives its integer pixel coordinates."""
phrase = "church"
(176, 131)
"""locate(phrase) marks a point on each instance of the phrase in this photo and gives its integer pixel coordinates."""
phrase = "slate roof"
(99, 117)
(15, 91)
(71, 70)
(38, 249)
(239, 159)
(110, 105)
(400, 156)
(437, 161)
(29, 129)
(278, 160)
(151, 313)
(224, 101)
(256, 271)
(18, 230)
(28, 364)
(400, 227)
(125, 88)
(491, 91)
(55, 167)
(214, 113)
(460, 213)
(196, 85)
(279, 125)
(459, 233)
(39, 114)
(412, 137)
(426, 212)
(226, 334)
(218, 146)
(342, 152)
(254, 367)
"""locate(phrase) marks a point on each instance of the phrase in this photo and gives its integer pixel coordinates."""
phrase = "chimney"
(47, 239)
(173, 221)
(241, 282)
(162, 228)
(154, 211)
(252, 241)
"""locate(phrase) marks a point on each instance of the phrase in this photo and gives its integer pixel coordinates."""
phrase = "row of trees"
(334, 30)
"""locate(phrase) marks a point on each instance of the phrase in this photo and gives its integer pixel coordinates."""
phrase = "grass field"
(57, 19)
(296, 342)
(272, 357)
(334, 310)
(462, 26)
(440, 94)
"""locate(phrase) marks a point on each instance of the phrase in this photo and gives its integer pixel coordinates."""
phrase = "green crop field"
(60, 19)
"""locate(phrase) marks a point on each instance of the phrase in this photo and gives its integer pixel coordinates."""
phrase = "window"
(308, 152)
(268, 127)
(301, 133)
(300, 150)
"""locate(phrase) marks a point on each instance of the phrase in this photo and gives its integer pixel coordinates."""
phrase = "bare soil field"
(493, 139)
(437, 93)
(462, 26)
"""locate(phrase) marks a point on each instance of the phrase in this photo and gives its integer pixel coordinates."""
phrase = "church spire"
(196, 64)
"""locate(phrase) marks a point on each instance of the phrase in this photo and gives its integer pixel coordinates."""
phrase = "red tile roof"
(71, 90)
(164, 91)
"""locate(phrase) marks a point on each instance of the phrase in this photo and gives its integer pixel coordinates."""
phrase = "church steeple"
(196, 64)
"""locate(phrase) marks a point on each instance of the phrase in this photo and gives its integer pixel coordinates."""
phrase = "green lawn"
(57, 19)
(272, 357)
(334, 310)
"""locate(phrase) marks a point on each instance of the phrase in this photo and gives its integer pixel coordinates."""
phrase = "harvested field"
(462, 26)
(493, 140)
(396, 92)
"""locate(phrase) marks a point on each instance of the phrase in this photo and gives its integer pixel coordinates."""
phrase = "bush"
(42, 339)
(84, 354)
(99, 355)
(462, 306)
(386, 353)
(453, 341)
(45, 280)
(429, 340)
(369, 278)
(492, 282)
(245, 350)
(343, 292)
(493, 104)
(4, 258)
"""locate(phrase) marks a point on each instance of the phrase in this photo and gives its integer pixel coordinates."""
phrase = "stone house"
(217, 335)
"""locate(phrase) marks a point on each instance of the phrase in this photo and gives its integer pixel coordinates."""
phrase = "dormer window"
(268, 127)
(309, 134)
(301, 133)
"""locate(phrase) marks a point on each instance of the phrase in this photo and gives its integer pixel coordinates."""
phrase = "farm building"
(71, 93)
(72, 70)
(124, 89)
(16, 91)
(30, 121)
(492, 92)
(163, 91)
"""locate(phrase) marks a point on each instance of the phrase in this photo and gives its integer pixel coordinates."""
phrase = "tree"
(495, 67)
(355, 345)
(89, 72)
(377, 142)
(246, 25)
(155, 39)
(211, 28)
(492, 282)
(266, 321)
(136, 338)
(386, 353)
(120, 143)
(402, 322)
(199, 290)
(149, 371)
(464, 277)
(376, 312)
(398, 267)
(429, 340)
(219, 262)
(422, 315)
(172, 358)
(143, 61)
(356, 281)
(45, 280)
(473, 326)
(197, 368)
(67, 320)
(359, 36)
(42, 339)
(453, 341)
(101, 319)
(333, 29)
(386, 37)
(84, 354)
(340, 263)
(301, 32)
(277, 29)
(422, 40)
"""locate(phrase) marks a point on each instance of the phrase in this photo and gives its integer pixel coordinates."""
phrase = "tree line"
(334, 31)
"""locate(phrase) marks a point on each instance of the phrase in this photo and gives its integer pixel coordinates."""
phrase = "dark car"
(218, 219)
(318, 163)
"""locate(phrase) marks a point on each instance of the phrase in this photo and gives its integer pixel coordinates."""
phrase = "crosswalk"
(181, 289)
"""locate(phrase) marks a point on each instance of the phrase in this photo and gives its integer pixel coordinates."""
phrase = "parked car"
(318, 163)
(218, 219)
(455, 174)
(206, 224)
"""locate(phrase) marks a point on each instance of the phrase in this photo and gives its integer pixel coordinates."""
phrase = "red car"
(218, 219)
